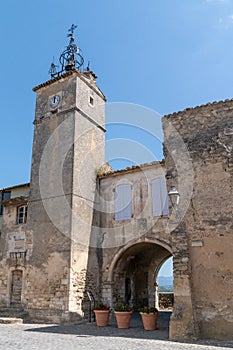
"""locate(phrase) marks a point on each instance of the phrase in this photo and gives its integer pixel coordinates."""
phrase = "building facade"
(80, 226)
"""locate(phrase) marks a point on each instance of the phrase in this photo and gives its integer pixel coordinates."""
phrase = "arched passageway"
(134, 274)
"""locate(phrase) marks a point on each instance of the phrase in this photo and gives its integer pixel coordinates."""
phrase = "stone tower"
(68, 150)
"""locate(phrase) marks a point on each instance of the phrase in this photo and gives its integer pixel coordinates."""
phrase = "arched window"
(22, 214)
(123, 202)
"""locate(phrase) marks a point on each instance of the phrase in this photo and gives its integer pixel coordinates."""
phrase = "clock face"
(54, 101)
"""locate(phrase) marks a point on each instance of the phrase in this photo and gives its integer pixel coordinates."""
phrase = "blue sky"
(165, 55)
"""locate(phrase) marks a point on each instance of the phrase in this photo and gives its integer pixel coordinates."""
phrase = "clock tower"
(68, 150)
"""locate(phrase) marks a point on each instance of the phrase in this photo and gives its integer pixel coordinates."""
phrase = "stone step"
(6, 312)
(11, 320)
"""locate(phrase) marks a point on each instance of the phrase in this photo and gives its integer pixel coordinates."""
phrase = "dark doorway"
(127, 290)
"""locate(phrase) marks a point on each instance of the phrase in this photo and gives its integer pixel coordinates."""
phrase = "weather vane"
(72, 29)
(71, 58)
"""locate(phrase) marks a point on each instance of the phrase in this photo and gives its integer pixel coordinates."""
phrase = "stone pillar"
(182, 323)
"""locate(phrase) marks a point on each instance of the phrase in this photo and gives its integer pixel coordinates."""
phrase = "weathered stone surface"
(207, 134)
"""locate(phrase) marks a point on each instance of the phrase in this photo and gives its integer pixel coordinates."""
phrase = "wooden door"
(16, 288)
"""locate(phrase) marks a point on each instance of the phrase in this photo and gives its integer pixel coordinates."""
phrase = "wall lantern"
(174, 198)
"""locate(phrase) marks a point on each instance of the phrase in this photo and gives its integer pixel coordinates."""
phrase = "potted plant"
(149, 318)
(123, 315)
(102, 312)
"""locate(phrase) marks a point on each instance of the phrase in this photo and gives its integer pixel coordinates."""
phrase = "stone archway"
(139, 262)
(133, 273)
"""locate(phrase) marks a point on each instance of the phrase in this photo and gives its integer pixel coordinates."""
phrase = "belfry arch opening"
(135, 273)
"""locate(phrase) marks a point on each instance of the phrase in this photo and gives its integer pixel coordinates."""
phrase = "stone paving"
(88, 336)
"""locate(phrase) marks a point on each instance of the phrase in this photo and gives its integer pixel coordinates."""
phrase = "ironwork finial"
(71, 58)
(53, 69)
(88, 66)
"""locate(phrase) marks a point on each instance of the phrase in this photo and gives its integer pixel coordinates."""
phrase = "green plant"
(102, 306)
(101, 170)
(122, 307)
(148, 310)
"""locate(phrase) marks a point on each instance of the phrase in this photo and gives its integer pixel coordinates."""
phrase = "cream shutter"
(159, 197)
(123, 202)
(164, 196)
(156, 197)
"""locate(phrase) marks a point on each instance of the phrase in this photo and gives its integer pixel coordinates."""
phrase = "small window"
(22, 214)
(3, 197)
(123, 202)
(159, 197)
(91, 101)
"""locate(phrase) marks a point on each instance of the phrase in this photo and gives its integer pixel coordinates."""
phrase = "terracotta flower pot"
(102, 317)
(123, 318)
(149, 321)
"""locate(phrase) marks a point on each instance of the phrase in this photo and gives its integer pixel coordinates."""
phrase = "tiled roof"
(130, 169)
(82, 76)
(15, 200)
(16, 186)
(51, 81)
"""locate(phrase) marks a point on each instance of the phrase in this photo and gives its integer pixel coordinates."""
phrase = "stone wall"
(207, 134)
(166, 300)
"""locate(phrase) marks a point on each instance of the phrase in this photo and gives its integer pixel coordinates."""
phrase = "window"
(22, 214)
(123, 202)
(91, 101)
(159, 197)
(3, 197)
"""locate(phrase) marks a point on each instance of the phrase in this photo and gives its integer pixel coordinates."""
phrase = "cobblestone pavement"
(88, 336)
